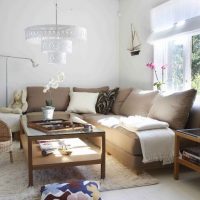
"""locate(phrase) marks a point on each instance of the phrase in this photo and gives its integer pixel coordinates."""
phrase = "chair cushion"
(121, 97)
(173, 109)
(138, 102)
(36, 98)
(93, 90)
(12, 120)
(80, 190)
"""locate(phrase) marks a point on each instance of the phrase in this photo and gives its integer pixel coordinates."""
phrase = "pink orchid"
(150, 65)
(163, 67)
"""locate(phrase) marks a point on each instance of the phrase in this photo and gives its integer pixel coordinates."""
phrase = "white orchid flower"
(61, 76)
(55, 85)
(46, 88)
(52, 80)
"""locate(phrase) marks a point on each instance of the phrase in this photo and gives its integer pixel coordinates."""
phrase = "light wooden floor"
(186, 188)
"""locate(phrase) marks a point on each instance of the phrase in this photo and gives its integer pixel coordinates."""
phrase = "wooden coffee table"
(29, 136)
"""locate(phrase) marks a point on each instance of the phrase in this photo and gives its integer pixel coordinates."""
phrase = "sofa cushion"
(121, 97)
(106, 100)
(36, 98)
(173, 109)
(120, 137)
(93, 90)
(194, 116)
(138, 102)
(82, 102)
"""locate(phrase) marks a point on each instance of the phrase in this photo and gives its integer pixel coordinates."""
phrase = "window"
(172, 24)
(195, 68)
(182, 56)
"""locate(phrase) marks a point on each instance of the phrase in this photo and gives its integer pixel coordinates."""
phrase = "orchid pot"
(48, 112)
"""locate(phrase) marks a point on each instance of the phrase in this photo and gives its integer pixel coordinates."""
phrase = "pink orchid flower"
(163, 67)
(150, 65)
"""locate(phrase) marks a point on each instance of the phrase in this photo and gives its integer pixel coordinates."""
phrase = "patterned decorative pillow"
(106, 100)
(80, 190)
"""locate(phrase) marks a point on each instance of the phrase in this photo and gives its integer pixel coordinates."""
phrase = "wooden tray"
(55, 125)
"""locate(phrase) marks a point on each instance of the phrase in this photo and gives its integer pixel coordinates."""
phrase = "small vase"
(48, 112)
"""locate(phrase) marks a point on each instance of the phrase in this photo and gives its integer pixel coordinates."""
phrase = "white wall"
(132, 69)
(94, 63)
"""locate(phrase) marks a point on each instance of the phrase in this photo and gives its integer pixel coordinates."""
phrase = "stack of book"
(192, 154)
(50, 146)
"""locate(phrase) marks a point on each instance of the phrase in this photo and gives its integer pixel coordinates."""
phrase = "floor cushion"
(80, 190)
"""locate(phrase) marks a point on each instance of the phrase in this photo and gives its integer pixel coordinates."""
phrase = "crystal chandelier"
(56, 40)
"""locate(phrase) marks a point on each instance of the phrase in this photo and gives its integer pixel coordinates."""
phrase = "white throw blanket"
(157, 140)
(138, 123)
(157, 145)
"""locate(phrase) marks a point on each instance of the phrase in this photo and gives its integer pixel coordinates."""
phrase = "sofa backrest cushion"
(82, 102)
(36, 98)
(173, 108)
(121, 97)
(92, 90)
(194, 117)
(138, 102)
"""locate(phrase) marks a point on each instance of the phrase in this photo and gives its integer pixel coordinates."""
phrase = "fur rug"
(14, 177)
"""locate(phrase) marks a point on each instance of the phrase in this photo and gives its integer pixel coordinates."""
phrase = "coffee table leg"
(30, 168)
(103, 158)
(176, 156)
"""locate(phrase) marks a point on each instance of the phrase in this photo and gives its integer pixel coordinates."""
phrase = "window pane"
(175, 73)
(196, 62)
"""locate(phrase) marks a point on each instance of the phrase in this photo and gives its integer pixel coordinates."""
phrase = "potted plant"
(159, 83)
(54, 82)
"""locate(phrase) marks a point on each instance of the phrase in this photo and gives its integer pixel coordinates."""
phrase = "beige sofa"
(121, 143)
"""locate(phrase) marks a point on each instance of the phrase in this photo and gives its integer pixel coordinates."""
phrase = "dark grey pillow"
(106, 100)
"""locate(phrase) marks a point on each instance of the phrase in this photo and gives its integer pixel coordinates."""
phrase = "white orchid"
(54, 84)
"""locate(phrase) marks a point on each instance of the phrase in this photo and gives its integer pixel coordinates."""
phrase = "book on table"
(192, 154)
(49, 146)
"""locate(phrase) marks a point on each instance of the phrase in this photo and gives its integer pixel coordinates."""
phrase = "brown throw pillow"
(121, 97)
(138, 102)
(36, 98)
(106, 100)
(173, 109)
(92, 90)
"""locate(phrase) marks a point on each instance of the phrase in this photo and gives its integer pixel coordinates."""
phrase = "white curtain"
(176, 55)
(166, 19)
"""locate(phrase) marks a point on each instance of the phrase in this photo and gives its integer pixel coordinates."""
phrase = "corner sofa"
(121, 143)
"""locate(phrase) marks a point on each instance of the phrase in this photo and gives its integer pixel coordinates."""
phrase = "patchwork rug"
(14, 177)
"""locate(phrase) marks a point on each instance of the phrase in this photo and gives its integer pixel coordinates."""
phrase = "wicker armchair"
(5, 139)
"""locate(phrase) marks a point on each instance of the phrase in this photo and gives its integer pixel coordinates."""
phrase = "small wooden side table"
(188, 134)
